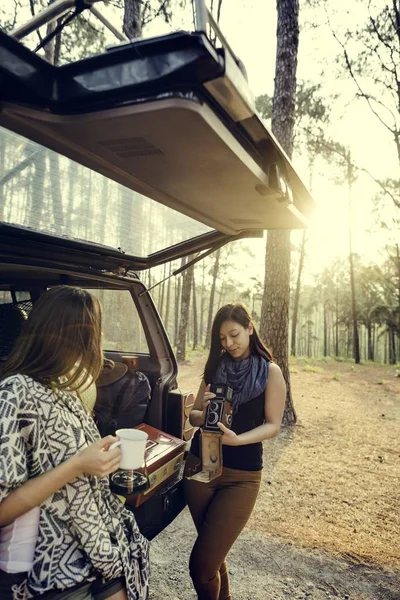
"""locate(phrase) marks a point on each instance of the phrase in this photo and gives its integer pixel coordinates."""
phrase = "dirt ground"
(326, 524)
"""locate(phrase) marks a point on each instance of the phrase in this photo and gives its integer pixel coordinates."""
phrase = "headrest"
(12, 317)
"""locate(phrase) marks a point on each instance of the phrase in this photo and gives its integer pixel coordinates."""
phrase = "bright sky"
(250, 27)
(251, 30)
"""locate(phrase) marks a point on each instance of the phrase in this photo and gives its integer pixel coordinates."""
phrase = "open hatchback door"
(170, 118)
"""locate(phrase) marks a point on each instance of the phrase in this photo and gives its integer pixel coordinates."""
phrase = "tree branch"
(336, 149)
(32, 7)
(219, 10)
(362, 94)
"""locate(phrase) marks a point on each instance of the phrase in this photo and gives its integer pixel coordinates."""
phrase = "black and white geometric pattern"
(84, 530)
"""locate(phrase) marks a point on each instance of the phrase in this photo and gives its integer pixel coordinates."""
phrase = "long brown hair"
(60, 343)
(237, 312)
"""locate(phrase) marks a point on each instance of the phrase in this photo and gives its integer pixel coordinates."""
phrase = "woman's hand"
(97, 460)
(198, 413)
(208, 396)
(230, 438)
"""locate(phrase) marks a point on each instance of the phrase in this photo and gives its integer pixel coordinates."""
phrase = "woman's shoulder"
(274, 368)
(19, 385)
(275, 376)
(15, 381)
(13, 395)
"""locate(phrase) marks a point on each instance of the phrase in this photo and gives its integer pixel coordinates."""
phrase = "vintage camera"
(220, 408)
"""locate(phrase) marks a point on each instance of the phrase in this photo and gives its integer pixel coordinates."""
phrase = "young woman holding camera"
(63, 534)
(221, 507)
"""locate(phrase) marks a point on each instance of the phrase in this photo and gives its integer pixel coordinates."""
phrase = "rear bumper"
(161, 509)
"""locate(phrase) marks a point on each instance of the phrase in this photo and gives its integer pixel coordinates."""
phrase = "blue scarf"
(247, 377)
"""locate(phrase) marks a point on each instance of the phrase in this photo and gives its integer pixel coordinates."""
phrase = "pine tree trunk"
(177, 305)
(132, 23)
(212, 296)
(187, 278)
(374, 345)
(37, 201)
(168, 298)
(202, 338)
(104, 199)
(392, 345)
(274, 326)
(356, 339)
(297, 295)
(26, 162)
(162, 291)
(309, 339)
(325, 330)
(195, 327)
(54, 167)
(370, 351)
(349, 340)
(337, 321)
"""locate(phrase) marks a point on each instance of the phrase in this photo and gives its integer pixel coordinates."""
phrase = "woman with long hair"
(221, 507)
(63, 534)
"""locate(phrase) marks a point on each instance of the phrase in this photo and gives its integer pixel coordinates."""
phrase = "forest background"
(329, 484)
(345, 268)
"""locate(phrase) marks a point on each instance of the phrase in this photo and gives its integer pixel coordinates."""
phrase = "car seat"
(12, 317)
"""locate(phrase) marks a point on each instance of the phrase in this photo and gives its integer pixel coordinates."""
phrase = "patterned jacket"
(84, 530)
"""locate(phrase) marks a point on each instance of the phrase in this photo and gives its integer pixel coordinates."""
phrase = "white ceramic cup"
(133, 447)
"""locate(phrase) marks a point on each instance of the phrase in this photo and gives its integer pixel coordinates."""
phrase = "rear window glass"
(122, 328)
(46, 191)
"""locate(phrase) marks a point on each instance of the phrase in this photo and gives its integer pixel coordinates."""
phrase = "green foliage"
(312, 369)
(336, 376)
(264, 106)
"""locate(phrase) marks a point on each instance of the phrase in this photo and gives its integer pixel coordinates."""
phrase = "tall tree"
(168, 302)
(187, 283)
(195, 323)
(354, 313)
(215, 272)
(274, 327)
(311, 117)
(132, 24)
(202, 301)
(296, 302)
(138, 13)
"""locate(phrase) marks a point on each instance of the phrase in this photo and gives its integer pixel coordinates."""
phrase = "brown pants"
(220, 509)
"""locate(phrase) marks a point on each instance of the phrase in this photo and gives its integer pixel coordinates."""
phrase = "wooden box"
(164, 457)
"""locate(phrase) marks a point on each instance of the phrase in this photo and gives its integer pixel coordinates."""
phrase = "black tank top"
(248, 457)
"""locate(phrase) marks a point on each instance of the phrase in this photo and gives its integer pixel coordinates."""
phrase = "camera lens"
(212, 417)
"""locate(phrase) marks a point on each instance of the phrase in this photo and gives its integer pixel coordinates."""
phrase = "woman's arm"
(275, 396)
(94, 460)
(198, 412)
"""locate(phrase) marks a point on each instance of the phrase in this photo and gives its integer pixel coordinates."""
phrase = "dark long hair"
(60, 339)
(237, 312)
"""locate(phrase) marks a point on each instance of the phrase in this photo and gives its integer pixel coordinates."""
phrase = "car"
(114, 164)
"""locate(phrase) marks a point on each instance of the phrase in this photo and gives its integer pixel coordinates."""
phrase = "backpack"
(122, 399)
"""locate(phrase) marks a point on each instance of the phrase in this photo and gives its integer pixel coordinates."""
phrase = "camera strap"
(211, 457)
